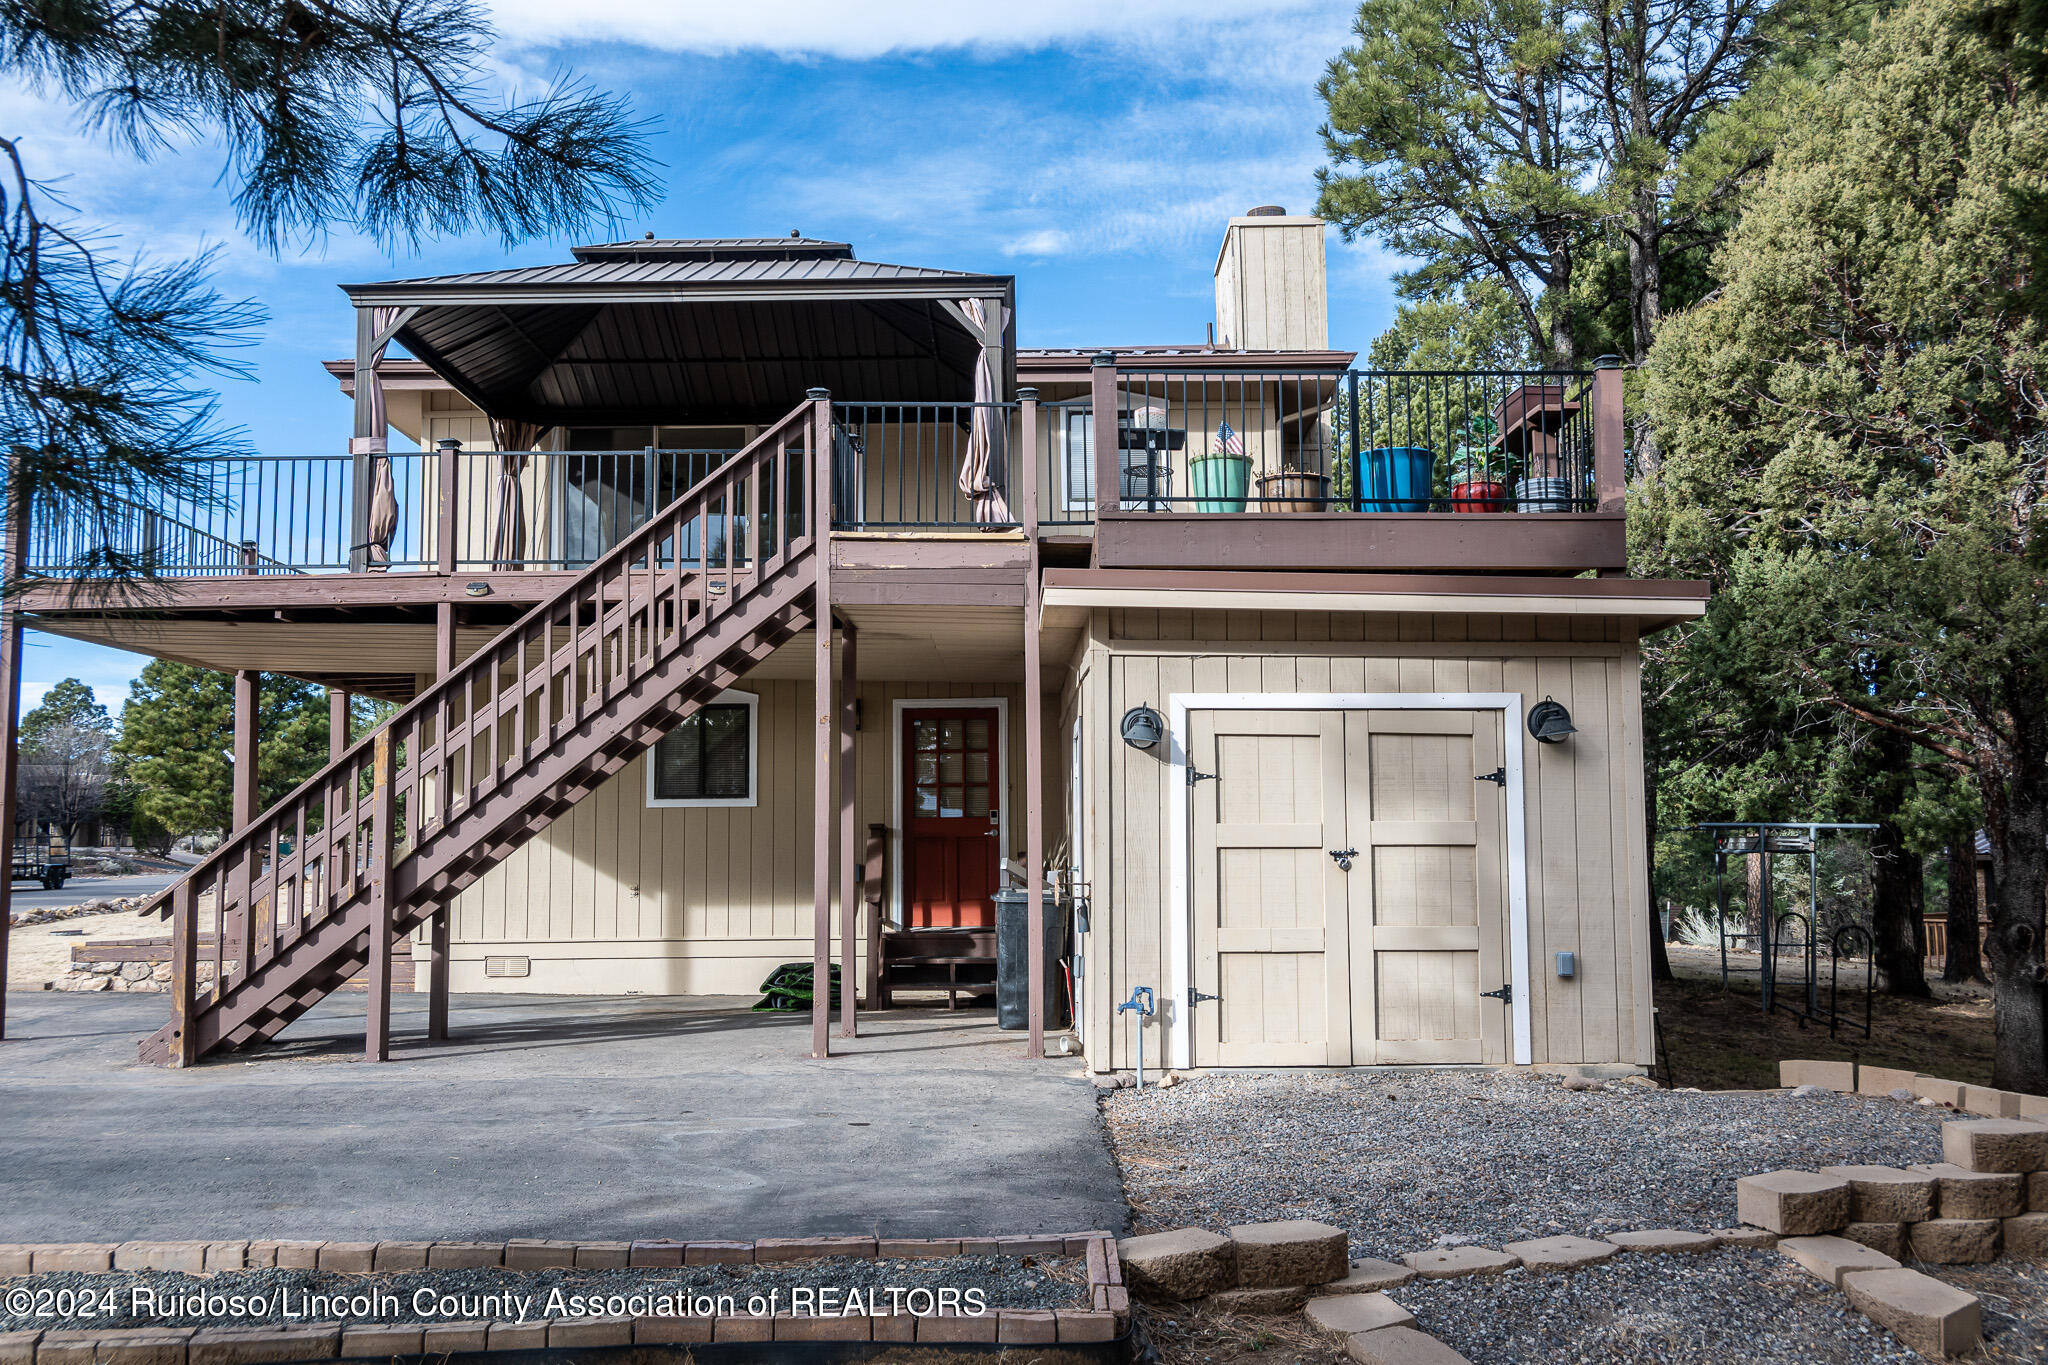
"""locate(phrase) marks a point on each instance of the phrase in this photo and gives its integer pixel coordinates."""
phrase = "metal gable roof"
(778, 273)
(704, 329)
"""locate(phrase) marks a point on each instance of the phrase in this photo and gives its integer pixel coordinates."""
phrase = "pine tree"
(365, 114)
(177, 742)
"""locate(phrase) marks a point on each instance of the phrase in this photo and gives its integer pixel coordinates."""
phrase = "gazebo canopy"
(697, 331)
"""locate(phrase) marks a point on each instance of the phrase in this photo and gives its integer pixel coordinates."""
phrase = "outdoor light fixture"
(1141, 727)
(1550, 722)
(476, 589)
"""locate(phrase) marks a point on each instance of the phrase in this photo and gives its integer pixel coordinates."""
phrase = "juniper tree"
(1856, 441)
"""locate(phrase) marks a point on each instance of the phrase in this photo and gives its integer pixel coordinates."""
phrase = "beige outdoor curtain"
(513, 440)
(383, 488)
(986, 435)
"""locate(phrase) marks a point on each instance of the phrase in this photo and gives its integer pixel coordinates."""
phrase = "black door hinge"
(1499, 777)
(1194, 776)
(1506, 994)
(1195, 997)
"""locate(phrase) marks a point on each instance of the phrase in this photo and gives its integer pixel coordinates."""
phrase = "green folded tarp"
(788, 989)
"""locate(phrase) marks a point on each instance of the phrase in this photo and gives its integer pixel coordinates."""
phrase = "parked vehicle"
(48, 863)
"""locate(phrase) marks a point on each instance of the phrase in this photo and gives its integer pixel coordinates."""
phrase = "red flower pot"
(1479, 496)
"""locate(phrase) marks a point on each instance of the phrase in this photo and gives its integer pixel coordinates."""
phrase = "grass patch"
(1719, 1039)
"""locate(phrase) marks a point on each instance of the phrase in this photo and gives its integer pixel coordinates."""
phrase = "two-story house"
(748, 602)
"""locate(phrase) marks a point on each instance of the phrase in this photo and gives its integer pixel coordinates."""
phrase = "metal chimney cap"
(1266, 211)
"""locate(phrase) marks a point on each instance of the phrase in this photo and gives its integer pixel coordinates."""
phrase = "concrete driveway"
(544, 1116)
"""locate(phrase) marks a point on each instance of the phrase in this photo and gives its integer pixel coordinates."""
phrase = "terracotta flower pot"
(1294, 491)
(1479, 495)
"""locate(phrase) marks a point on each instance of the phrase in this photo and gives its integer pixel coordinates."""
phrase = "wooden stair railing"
(329, 879)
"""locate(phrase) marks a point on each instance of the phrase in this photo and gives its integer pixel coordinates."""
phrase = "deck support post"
(13, 549)
(383, 808)
(339, 704)
(849, 869)
(823, 826)
(1034, 733)
(248, 689)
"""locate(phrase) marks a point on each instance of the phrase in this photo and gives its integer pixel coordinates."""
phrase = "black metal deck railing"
(1354, 441)
(1192, 440)
(905, 466)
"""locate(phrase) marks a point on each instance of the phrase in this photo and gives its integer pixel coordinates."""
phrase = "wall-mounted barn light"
(1141, 727)
(1550, 722)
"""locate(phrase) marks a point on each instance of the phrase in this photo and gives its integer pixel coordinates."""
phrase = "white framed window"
(711, 758)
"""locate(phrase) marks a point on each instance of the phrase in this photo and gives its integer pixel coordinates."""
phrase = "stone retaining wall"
(144, 964)
(1881, 1082)
(1089, 1329)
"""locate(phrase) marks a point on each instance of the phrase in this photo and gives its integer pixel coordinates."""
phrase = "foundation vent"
(508, 966)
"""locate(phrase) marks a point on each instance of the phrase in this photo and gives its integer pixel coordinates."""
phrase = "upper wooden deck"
(340, 567)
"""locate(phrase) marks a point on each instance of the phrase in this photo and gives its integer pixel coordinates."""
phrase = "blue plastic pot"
(1397, 479)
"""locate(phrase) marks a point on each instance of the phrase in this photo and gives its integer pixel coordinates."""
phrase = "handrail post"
(444, 523)
(1102, 441)
(1610, 436)
(872, 878)
(383, 810)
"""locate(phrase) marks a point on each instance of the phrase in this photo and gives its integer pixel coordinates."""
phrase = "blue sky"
(1093, 151)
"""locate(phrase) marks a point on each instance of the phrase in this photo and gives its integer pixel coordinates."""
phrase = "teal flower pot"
(1220, 482)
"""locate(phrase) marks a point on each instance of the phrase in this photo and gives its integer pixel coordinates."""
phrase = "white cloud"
(839, 28)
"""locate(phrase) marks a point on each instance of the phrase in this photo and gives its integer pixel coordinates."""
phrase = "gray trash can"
(1013, 961)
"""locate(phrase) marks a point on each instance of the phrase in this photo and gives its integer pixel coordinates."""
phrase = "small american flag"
(1228, 442)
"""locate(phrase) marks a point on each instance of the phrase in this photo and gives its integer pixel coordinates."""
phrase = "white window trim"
(752, 702)
(897, 708)
(1180, 954)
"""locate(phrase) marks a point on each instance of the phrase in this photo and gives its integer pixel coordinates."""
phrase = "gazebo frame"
(1744, 837)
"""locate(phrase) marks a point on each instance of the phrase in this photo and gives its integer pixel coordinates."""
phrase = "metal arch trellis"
(1795, 929)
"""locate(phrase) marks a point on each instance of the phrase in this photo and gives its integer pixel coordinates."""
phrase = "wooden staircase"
(327, 883)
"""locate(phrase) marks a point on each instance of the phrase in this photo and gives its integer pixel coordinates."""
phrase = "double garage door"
(1348, 887)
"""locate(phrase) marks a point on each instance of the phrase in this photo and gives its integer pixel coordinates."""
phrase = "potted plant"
(1292, 489)
(1398, 479)
(1220, 479)
(1475, 485)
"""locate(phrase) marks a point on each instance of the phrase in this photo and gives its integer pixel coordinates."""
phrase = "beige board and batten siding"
(1586, 855)
(619, 898)
(1271, 290)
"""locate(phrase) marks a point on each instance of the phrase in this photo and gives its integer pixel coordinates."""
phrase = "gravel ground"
(1409, 1160)
(1726, 1306)
(109, 1300)
(2015, 1298)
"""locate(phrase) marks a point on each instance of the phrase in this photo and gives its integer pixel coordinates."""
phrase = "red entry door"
(951, 794)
